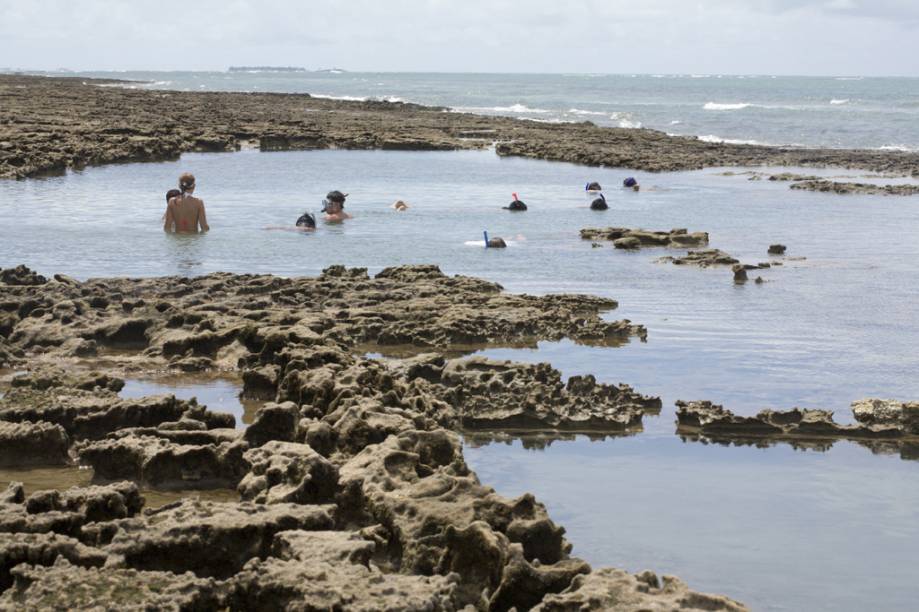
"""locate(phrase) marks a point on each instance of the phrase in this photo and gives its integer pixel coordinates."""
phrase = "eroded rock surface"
(355, 491)
(48, 125)
(703, 259)
(37, 443)
(618, 591)
(625, 238)
(878, 419)
(827, 186)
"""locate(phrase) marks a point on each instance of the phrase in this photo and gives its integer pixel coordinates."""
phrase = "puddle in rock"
(218, 394)
(38, 479)
(775, 527)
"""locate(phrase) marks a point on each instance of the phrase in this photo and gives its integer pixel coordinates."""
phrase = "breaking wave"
(716, 106)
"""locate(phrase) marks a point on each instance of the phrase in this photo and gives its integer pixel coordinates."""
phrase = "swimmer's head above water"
(187, 183)
(172, 193)
(306, 221)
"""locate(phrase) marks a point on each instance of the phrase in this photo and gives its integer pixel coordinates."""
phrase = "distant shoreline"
(51, 124)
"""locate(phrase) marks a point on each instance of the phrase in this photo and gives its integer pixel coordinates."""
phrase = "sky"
(808, 37)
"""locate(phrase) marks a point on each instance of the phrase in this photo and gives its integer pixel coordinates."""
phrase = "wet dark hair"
(593, 186)
(599, 203)
(336, 196)
(306, 220)
(172, 193)
(516, 205)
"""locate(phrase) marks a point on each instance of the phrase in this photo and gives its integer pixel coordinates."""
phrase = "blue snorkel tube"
(485, 232)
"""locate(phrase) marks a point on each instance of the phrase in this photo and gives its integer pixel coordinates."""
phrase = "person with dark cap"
(631, 183)
(517, 205)
(595, 196)
(334, 207)
(306, 222)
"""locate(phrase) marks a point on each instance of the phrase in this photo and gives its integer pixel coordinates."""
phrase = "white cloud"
(714, 36)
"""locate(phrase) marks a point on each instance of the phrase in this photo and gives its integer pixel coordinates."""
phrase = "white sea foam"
(481, 243)
(718, 139)
(849, 78)
(676, 122)
(625, 120)
(348, 98)
(838, 101)
(717, 106)
(518, 108)
(578, 111)
(901, 148)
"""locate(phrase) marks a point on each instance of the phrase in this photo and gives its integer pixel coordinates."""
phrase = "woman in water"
(185, 213)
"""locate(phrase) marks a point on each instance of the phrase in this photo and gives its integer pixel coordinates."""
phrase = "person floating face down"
(184, 212)
(334, 207)
(306, 222)
(595, 196)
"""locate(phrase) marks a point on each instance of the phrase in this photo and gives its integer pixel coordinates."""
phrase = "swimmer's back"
(185, 215)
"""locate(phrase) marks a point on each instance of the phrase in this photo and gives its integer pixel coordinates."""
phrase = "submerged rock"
(827, 186)
(703, 259)
(776, 249)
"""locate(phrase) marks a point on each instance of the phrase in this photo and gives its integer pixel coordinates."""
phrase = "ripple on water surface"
(774, 527)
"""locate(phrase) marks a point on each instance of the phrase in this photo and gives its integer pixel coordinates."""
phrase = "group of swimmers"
(185, 213)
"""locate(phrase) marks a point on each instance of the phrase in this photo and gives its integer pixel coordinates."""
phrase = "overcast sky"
(831, 37)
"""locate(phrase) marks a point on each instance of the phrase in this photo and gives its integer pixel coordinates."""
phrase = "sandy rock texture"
(50, 124)
(843, 187)
(702, 259)
(625, 238)
(877, 419)
(353, 490)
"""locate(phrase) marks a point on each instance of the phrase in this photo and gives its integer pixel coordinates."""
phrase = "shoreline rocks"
(42, 134)
(625, 238)
(877, 420)
(352, 491)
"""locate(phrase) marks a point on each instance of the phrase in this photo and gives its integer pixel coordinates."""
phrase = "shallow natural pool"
(777, 528)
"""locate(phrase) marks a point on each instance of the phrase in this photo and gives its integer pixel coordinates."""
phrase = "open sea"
(841, 111)
(775, 527)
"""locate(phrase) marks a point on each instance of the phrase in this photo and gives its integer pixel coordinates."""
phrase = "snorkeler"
(399, 206)
(334, 207)
(306, 221)
(517, 205)
(631, 183)
(595, 196)
(184, 212)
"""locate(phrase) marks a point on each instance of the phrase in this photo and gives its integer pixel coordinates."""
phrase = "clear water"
(218, 394)
(814, 111)
(778, 528)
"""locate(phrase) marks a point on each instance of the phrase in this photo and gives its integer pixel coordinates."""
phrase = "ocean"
(837, 112)
(777, 527)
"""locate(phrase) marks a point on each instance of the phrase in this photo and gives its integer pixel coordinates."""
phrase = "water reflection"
(61, 478)
(907, 450)
(219, 394)
(771, 526)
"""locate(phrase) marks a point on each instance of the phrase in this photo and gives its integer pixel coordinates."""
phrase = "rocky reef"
(353, 490)
(843, 187)
(625, 238)
(876, 419)
(48, 125)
